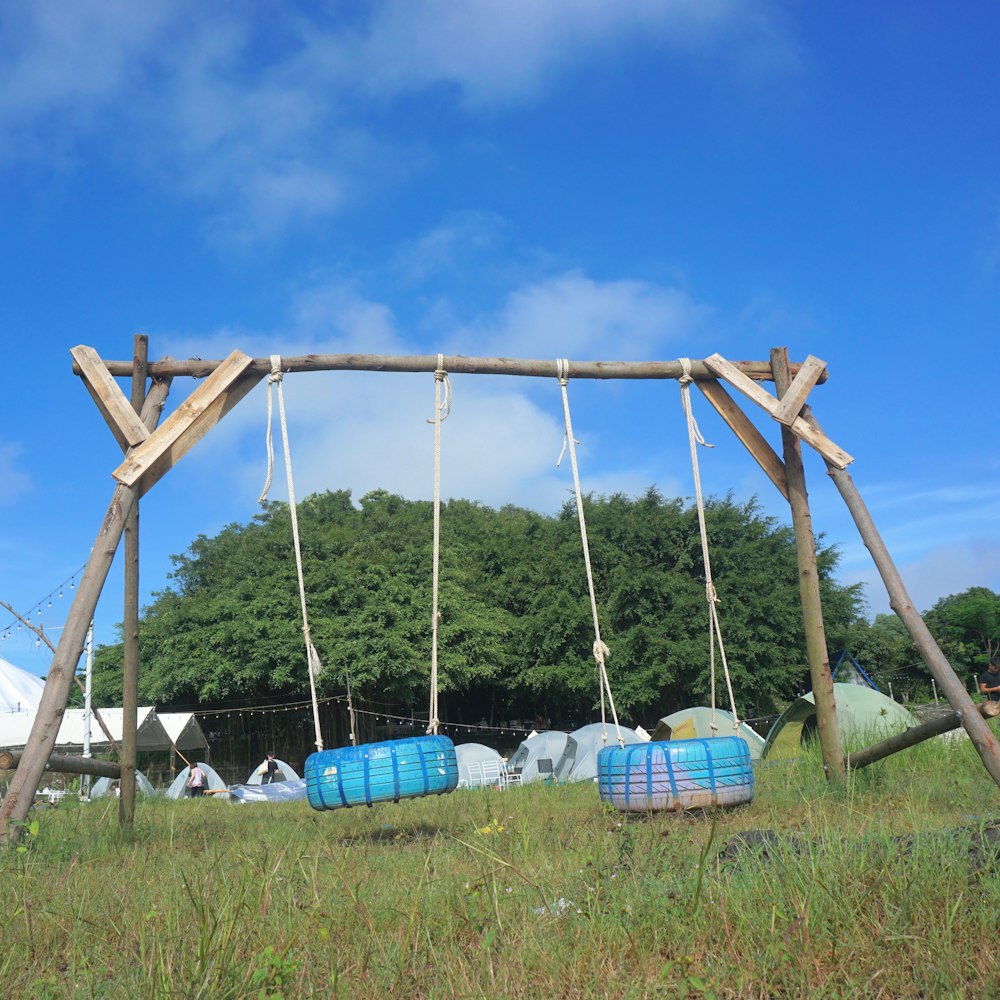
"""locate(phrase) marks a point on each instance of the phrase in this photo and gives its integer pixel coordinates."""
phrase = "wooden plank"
(754, 442)
(831, 452)
(124, 422)
(187, 425)
(791, 403)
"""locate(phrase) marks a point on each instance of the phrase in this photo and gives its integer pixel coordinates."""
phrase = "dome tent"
(863, 717)
(546, 747)
(471, 758)
(578, 761)
(696, 723)
(212, 781)
(285, 772)
(103, 786)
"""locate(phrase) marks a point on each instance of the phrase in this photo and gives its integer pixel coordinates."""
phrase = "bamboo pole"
(41, 740)
(453, 364)
(916, 734)
(64, 763)
(130, 619)
(812, 606)
(952, 688)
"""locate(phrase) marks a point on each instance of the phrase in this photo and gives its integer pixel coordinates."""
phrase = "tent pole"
(62, 672)
(812, 607)
(130, 620)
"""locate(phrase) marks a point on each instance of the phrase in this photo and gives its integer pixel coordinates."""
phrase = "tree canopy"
(516, 630)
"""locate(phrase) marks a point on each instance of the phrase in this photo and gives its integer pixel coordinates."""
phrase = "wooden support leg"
(812, 608)
(983, 739)
(41, 740)
(130, 618)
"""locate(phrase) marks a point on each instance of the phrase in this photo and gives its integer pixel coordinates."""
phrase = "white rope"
(714, 628)
(442, 409)
(312, 656)
(601, 651)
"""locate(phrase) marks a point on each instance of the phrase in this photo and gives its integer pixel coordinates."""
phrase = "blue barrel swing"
(676, 774)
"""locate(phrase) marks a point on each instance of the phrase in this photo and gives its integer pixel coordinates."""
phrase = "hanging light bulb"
(60, 592)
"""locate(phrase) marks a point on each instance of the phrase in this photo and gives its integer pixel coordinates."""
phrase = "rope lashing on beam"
(600, 649)
(695, 438)
(312, 656)
(442, 410)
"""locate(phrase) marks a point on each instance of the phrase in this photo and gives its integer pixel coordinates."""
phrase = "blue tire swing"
(390, 770)
(666, 775)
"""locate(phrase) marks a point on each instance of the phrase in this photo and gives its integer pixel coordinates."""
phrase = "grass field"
(533, 892)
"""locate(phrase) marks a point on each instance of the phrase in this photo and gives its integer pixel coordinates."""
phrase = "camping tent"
(863, 716)
(696, 723)
(285, 773)
(478, 765)
(578, 761)
(19, 690)
(103, 786)
(178, 785)
(545, 748)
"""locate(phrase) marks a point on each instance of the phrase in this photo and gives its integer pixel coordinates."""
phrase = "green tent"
(696, 723)
(863, 717)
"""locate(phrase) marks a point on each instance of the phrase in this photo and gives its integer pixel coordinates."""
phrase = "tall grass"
(533, 892)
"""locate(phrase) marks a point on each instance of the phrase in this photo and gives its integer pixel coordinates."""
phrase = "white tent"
(150, 734)
(103, 786)
(179, 785)
(542, 748)
(19, 690)
(471, 760)
(579, 757)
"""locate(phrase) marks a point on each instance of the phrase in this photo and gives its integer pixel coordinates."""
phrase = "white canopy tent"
(184, 729)
(19, 690)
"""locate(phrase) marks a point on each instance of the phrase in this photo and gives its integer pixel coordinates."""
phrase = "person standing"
(196, 782)
(989, 680)
(271, 770)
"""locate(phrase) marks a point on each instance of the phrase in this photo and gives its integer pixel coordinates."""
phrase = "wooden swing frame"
(151, 451)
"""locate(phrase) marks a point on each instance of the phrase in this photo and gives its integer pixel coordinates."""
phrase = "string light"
(36, 608)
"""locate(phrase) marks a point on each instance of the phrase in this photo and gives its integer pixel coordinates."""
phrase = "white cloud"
(572, 315)
(264, 117)
(13, 482)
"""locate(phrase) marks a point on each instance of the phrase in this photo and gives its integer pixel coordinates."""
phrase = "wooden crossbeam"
(831, 452)
(186, 426)
(124, 422)
(754, 442)
(790, 405)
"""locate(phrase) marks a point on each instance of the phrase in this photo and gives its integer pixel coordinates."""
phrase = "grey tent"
(696, 723)
(536, 758)
(863, 717)
(578, 761)
(178, 785)
(102, 786)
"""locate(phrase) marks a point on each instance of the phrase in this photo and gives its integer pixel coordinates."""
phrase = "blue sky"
(630, 180)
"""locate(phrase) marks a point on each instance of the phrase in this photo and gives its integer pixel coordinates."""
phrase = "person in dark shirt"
(271, 772)
(989, 680)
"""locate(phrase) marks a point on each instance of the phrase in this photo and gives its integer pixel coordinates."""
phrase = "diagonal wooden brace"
(835, 455)
(119, 413)
(187, 425)
(791, 403)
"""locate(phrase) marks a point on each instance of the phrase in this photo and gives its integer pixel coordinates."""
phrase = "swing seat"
(676, 774)
(381, 772)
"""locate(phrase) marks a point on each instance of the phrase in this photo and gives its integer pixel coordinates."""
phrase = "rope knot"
(686, 377)
(562, 370)
(601, 651)
(276, 373)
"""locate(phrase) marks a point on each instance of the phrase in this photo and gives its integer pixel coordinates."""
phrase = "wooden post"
(812, 608)
(130, 620)
(916, 734)
(42, 738)
(64, 763)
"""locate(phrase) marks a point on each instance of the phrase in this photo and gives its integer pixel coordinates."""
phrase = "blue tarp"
(278, 791)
